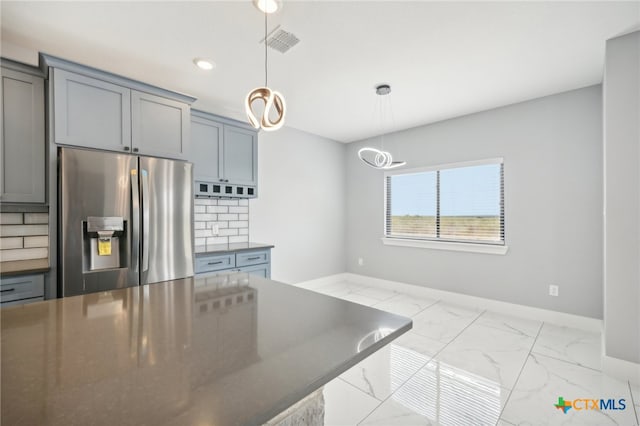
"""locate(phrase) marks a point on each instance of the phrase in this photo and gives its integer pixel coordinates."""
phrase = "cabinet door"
(22, 153)
(160, 126)
(263, 270)
(90, 112)
(206, 147)
(240, 155)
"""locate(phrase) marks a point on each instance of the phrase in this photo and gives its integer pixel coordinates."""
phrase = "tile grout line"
(421, 367)
(520, 373)
(567, 362)
(633, 402)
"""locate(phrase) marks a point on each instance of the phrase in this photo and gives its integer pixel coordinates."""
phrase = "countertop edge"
(204, 251)
(288, 402)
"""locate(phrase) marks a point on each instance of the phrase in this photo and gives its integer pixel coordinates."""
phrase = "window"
(454, 203)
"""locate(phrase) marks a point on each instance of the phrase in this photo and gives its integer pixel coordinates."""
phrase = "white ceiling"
(443, 59)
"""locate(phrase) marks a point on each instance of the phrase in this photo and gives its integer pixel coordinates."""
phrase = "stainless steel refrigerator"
(124, 220)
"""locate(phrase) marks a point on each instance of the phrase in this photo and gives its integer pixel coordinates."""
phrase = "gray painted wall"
(552, 150)
(301, 204)
(622, 197)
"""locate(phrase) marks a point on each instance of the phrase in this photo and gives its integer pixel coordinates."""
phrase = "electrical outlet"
(360, 261)
(553, 290)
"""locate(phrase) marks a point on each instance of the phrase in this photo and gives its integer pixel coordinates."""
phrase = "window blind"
(464, 204)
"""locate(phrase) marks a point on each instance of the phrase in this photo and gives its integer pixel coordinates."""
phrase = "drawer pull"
(215, 263)
(7, 290)
(253, 258)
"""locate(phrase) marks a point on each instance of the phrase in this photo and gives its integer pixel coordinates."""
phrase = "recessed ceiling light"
(268, 6)
(204, 64)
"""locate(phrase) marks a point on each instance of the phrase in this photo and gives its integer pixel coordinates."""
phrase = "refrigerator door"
(167, 219)
(95, 221)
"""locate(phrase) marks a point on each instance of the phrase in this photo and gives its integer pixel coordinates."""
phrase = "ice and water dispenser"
(104, 240)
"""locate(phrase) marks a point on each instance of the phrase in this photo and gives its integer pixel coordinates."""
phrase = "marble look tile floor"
(465, 366)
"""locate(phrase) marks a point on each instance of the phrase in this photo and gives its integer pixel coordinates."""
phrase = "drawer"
(215, 262)
(21, 287)
(252, 258)
(263, 271)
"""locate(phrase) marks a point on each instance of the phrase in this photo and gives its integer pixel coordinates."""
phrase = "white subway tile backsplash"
(227, 232)
(205, 202)
(241, 209)
(10, 243)
(201, 233)
(24, 254)
(230, 216)
(227, 202)
(239, 239)
(239, 224)
(10, 218)
(30, 242)
(217, 240)
(20, 230)
(202, 217)
(221, 225)
(217, 209)
(36, 218)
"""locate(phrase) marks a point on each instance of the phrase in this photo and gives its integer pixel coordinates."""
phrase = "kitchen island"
(233, 349)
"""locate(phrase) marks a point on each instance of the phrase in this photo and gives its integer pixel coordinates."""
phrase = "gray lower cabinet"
(225, 156)
(256, 262)
(22, 150)
(21, 289)
(95, 109)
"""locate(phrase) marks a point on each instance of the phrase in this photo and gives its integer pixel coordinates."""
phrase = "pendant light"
(379, 158)
(272, 100)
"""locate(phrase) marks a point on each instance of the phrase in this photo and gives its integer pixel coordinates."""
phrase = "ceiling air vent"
(281, 40)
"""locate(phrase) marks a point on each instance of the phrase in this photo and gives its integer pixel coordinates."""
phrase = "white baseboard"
(621, 369)
(522, 311)
(318, 282)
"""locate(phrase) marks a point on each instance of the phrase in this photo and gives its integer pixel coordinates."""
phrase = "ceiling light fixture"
(267, 6)
(379, 158)
(274, 104)
(204, 64)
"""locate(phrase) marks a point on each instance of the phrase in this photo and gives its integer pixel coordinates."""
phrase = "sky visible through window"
(464, 191)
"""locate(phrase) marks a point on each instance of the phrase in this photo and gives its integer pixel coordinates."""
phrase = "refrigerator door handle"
(135, 221)
(145, 220)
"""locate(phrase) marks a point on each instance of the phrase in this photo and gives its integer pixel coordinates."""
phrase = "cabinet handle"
(221, 180)
(126, 148)
(215, 263)
(7, 290)
(135, 149)
(253, 258)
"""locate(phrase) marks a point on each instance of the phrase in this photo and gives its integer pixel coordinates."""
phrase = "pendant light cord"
(266, 71)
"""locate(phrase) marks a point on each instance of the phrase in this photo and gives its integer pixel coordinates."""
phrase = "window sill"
(446, 245)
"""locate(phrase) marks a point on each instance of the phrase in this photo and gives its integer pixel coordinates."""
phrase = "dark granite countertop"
(228, 350)
(227, 248)
(24, 267)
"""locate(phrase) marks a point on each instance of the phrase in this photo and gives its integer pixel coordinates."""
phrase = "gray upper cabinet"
(96, 109)
(22, 153)
(225, 156)
(206, 149)
(160, 126)
(90, 112)
(240, 155)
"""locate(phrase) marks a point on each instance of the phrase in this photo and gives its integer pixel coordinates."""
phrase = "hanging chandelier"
(274, 104)
(379, 158)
